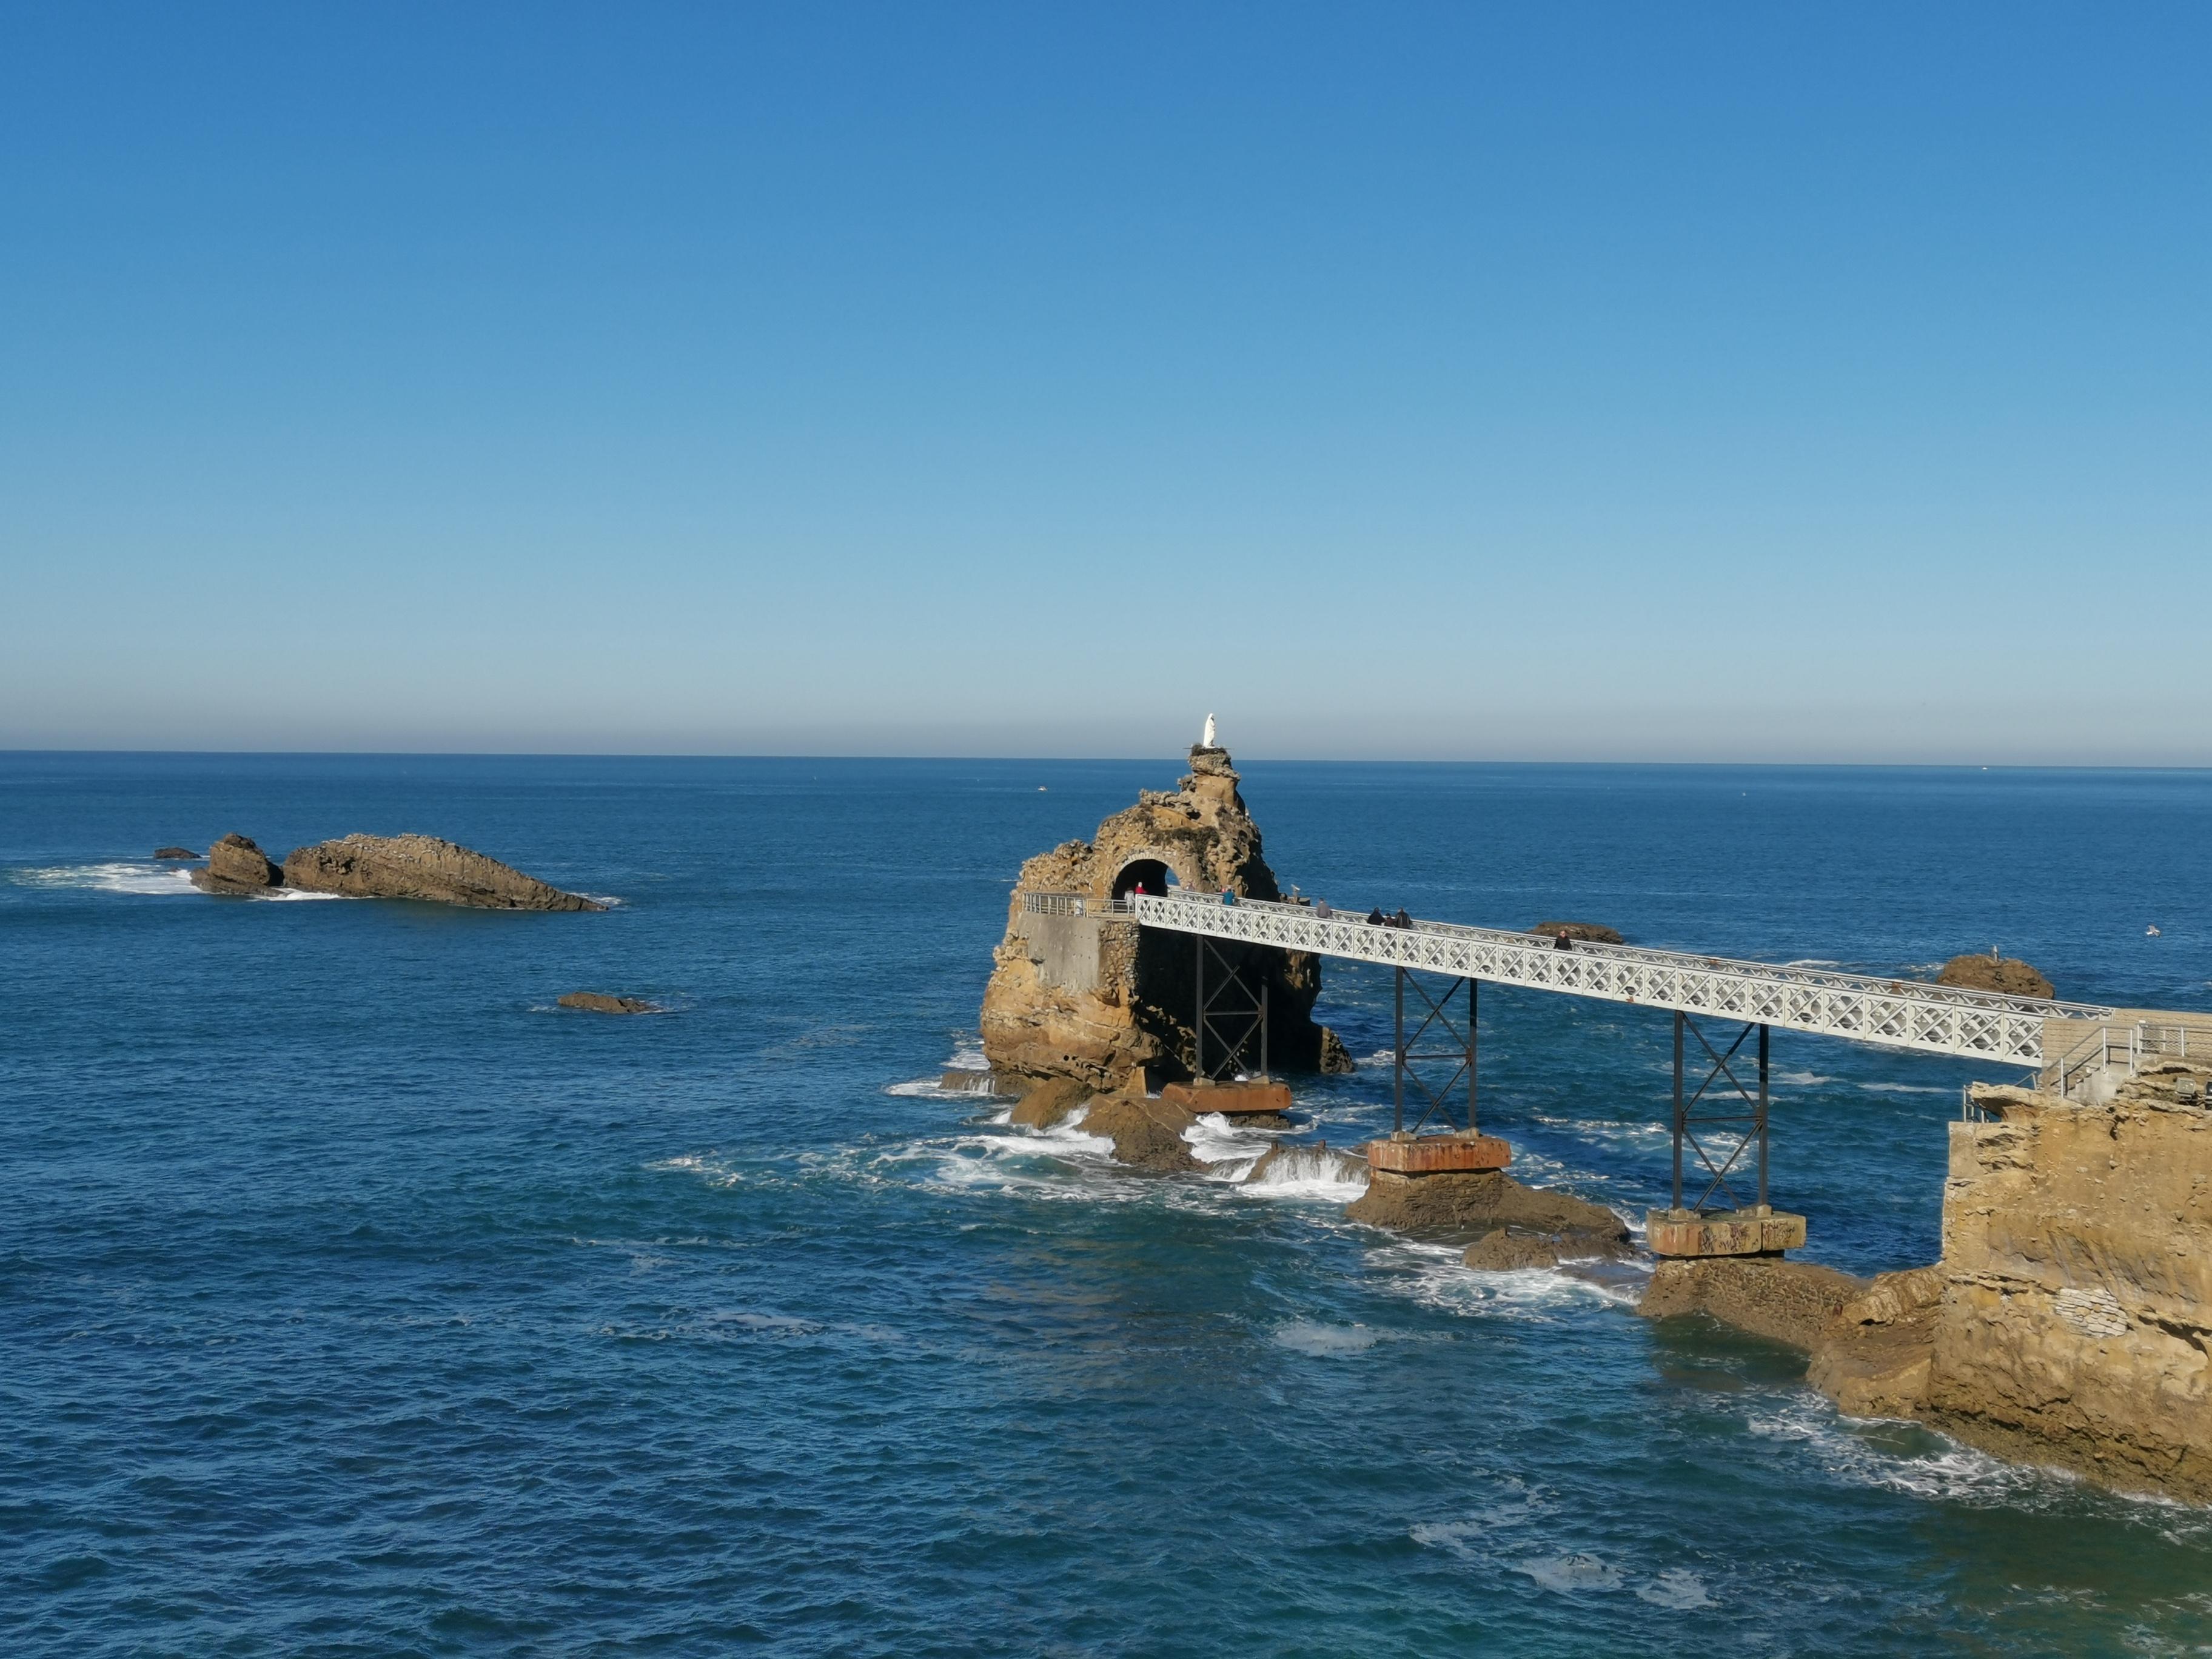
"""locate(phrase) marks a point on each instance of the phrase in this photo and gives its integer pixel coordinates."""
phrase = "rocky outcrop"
(236, 865)
(174, 854)
(2076, 1320)
(598, 1002)
(423, 868)
(2008, 975)
(1077, 993)
(2069, 1322)
(1792, 1302)
(1464, 1207)
(1595, 932)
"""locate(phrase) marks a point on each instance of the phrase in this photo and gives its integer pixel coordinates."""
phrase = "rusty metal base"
(1756, 1231)
(1452, 1154)
(1230, 1099)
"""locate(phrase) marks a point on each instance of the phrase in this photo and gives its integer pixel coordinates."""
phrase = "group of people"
(1376, 919)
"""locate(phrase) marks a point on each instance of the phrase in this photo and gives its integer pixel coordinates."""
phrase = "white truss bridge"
(1894, 1013)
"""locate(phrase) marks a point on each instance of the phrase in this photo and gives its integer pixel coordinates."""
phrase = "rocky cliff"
(2069, 1322)
(1094, 998)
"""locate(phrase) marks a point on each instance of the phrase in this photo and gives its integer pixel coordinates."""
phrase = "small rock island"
(410, 867)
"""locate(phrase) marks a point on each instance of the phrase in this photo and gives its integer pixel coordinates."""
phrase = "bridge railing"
(1072, 904)
(2130, 1047)
(1898, 1012)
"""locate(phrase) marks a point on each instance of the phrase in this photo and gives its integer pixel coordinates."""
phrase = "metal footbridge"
(1719, 1122)
(1896, 1013)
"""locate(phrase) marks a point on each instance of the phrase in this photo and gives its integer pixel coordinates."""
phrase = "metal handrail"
(1914, 1014)
(1038, 904)
(1954, 995)
(2144, 1039)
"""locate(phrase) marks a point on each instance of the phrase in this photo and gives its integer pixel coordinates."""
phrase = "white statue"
(1207, 742)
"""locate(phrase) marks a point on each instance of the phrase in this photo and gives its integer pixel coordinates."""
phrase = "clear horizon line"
(1023, 760)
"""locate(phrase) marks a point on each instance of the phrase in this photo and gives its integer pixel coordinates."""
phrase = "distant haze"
(1564, 382)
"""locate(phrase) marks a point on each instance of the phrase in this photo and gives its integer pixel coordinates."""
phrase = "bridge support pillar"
(1419, 1070)
(1230, 1028)
(1727, 1139)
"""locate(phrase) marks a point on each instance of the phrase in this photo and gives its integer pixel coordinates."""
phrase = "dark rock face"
(236, 866)
(1147, 1134)
(2008, 975)
(1455, 1207)
(423, 868)
(174, 853)
(1594, 932)
(597, 1002)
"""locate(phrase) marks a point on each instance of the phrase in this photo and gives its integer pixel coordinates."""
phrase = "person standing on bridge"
(1229, 895)
(1375, 917)
(1565, 941)
(1321, 912)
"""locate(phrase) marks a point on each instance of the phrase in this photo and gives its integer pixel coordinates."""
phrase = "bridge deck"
(1936, 1019)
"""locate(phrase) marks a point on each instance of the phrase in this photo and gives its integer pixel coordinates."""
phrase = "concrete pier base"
(1259, 1098)
(1428, 1155)
(1758, 1231)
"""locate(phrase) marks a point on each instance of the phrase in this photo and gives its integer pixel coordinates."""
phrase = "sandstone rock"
(1502, 1251)
(1095, 998)
(423, 868)
(1455, 1207)
(173, 852)
(2076, 1323)
(1873, 1358)
(1595, 932)
(598, 1002)
(2007, 976)
(236, 866)
(1791, 1302)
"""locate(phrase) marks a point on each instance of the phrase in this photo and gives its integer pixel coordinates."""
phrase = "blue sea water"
(358, 1301)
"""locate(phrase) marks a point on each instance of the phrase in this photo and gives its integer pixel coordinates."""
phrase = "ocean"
(359, 1301)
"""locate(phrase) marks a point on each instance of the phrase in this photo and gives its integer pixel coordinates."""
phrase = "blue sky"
(1559, 381)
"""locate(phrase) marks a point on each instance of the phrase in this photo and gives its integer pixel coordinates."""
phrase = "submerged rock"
(173, 854)
(1079, 993)
(598, 1002)
(236, 866)
(423, 868)
(2008, 975)
(1595, 932)
(1146, 1133)
(1502, 1251)
(1455, 1207)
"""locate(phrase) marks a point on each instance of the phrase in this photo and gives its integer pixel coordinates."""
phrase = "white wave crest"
(1309, 1172)
(156, 880)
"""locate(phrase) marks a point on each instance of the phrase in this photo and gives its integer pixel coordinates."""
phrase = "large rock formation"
(1077, 995)
(236, 866)
(2008, 975)
(2069, 1322)
(423, 868)
(599, 1002)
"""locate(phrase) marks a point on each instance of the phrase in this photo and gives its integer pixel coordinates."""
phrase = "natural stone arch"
(1151, 865)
